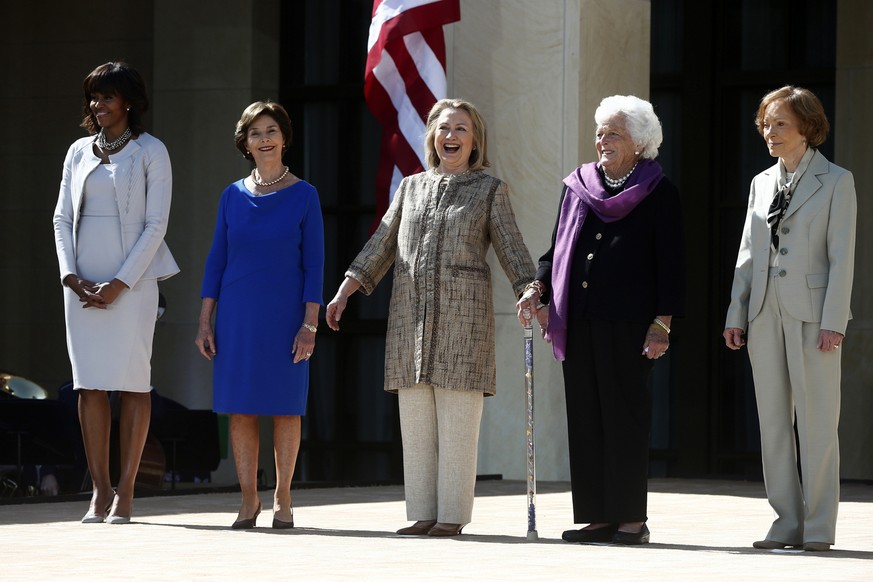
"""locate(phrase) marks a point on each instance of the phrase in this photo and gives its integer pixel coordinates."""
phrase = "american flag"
(404, 77)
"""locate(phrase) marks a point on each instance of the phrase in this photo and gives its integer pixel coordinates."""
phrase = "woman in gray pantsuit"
(440, 343)
(791, 291)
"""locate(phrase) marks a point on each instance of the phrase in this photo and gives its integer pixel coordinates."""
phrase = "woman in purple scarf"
(613, 279)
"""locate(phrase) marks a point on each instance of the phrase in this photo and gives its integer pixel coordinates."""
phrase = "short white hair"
(639, 117)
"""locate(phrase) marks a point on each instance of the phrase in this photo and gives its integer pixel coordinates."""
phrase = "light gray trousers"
(440, 433)
(793, 376)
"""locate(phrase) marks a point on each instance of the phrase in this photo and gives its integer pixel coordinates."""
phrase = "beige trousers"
(793, 376)
(440, 433)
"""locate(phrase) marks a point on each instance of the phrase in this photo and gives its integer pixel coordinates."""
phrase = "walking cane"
(529, 432)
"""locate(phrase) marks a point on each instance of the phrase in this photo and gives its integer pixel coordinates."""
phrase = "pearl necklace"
(113, 145)
(257, 181)
(615, 184)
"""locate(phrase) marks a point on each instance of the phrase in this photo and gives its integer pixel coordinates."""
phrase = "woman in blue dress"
(263, 284)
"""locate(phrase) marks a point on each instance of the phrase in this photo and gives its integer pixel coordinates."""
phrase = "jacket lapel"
(122, 177)
(770, 185)
(809, 183)
(87, 163)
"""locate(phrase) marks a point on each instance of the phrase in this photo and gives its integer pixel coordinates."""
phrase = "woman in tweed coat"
(440, 342)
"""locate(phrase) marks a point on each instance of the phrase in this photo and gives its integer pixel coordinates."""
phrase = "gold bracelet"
(311, 328)
(537, 286)
(662, 325)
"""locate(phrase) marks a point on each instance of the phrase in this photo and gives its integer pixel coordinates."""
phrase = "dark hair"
(116, 78)
(252, 112)
(805, 106)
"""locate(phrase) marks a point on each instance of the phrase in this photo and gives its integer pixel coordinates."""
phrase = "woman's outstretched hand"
(335, 311)
(337, 305)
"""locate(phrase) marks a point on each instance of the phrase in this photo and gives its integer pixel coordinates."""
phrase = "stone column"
(537, 70)
(235, 48)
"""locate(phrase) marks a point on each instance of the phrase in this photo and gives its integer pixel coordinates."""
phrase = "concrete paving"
(701, 530)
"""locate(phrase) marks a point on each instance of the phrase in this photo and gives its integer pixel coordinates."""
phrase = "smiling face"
(781, 130)
(615, 147)
(453, 140)
(265, 141)
(110, 112)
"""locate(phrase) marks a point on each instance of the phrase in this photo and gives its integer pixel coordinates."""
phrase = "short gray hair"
(639, 116)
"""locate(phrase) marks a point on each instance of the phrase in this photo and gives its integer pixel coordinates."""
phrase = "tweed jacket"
(816, 254)
(437, 232)
(143, 189)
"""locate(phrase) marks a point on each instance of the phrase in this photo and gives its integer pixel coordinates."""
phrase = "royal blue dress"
(265, 264)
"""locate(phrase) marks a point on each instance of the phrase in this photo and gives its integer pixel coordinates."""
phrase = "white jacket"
(143, 190)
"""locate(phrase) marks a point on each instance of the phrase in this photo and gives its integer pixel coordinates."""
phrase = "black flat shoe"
(249, 523)
(590, 536)
(771, 545)
(632, 538)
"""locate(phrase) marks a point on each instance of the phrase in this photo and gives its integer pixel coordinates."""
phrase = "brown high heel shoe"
(419, 528)
(445, 530)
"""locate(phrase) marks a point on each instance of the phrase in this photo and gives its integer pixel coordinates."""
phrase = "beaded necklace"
(616, 184)
(113, 145)
(257, 181)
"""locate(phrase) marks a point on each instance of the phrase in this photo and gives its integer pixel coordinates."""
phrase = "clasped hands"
(529, 307)
(99, 295)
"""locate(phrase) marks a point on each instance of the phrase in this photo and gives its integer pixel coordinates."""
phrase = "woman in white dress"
(110, 221)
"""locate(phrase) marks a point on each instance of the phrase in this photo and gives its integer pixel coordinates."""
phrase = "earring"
(636, 153)
(128, 108)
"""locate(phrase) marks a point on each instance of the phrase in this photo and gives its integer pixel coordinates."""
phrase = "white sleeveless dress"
(110, 349)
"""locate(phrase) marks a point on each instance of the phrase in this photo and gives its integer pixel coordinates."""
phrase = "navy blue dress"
(265, 264)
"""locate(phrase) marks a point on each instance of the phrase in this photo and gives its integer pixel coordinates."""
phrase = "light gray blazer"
(817, 248)
(143, 190)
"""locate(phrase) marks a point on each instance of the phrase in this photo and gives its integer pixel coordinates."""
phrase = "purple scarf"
(585, 192)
